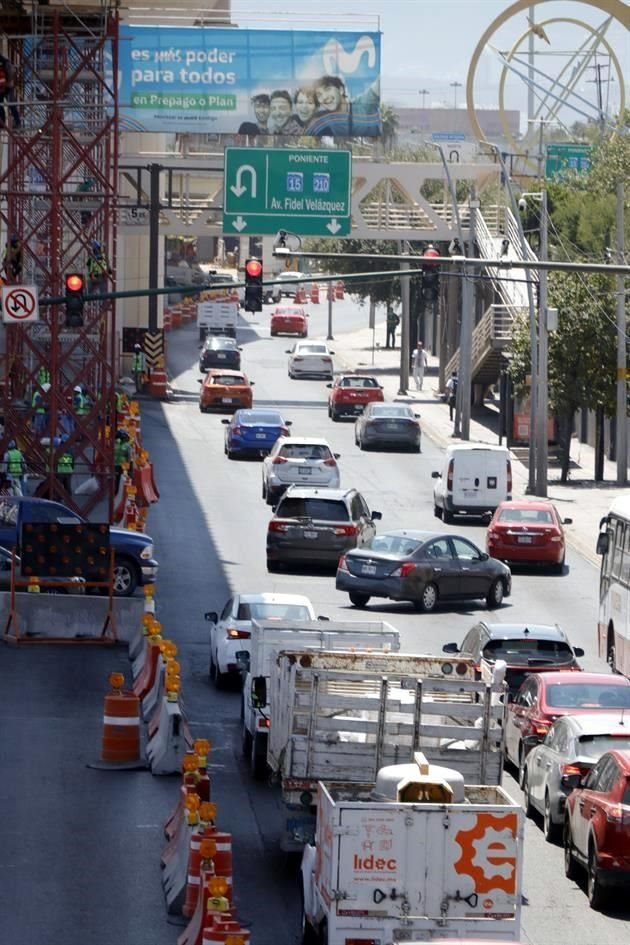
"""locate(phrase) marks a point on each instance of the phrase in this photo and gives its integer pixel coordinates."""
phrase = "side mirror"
(530, 741)
(251, 383)
(376, 516)
(578, 651)
(226, 421)
(323, 619)
(436, 475)
(288, 423)
(200, 380)
(328, 385)
(567, 521)
(337, 455)
(482, 556)
(331, 352)
(417, 416)
(602, 543)
(450, 648)
(259, 691)
(288, 351)
(212, 616)
(239, 349)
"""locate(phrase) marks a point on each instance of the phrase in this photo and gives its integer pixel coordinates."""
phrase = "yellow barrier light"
(207, 849)
(217, 886)
(208, 811)
(192, 802)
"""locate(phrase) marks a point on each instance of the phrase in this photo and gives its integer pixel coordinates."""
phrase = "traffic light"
(253, 285)
(75, 285)
(430, 274)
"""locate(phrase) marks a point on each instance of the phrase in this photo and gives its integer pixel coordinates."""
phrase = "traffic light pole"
(542, 450)
(404, 330)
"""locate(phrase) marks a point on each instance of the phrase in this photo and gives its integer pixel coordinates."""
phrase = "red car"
(226, 390)
(527, 532)
(544, 697)
(597, 829)
(289, 320)
(351, 392)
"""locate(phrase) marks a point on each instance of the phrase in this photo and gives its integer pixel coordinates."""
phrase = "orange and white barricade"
(339, 290)
(315, 294)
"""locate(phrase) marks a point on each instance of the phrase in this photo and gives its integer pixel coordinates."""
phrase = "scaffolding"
(58, 180)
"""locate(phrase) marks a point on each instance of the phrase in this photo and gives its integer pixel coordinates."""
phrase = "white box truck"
(268, 637)
(417, 857)
(473, 479)
(340, 716)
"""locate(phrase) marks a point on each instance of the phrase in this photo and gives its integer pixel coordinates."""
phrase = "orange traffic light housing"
(253, 285)
(75, 285)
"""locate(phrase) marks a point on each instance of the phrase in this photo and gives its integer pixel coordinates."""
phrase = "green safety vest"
(43, 376)
(15, 462)
(81, 405)
(120, 403)
(121, 453)
(65, 464)
(138, 362)
(97, 267)
(38, 403)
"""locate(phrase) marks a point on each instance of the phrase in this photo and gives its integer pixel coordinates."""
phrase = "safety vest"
(81, 404)
(15, 462)
(138, 362)
(96, 267)
(43, 376)
(120, 402)
(38, 403)
(121, 453)
(65, 464)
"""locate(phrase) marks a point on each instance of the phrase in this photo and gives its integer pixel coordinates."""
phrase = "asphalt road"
(81, 848)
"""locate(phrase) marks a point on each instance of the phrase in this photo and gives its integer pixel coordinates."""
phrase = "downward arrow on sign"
(239, 224)
(333, 226)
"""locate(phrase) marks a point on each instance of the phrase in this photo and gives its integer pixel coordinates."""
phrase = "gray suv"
(317, 526)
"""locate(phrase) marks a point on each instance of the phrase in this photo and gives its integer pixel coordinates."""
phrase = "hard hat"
(46, 387)
(122, 435)
(78, 388)
(138, 347)
(96, 245)
(12, 444)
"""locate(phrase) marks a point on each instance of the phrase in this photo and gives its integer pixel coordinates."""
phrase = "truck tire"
(447, 517)
(258, 756)
(125, 576)
(310, 935)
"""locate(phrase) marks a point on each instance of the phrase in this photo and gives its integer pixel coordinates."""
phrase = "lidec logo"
(374, 863)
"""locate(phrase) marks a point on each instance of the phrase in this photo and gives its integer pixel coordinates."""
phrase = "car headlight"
(147, 552)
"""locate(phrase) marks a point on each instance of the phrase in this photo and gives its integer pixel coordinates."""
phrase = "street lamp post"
(423, 93)
(455, 86)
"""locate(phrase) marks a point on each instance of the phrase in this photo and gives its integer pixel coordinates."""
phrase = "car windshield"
(327, 510)
(391, 410)
(311, 349)
(394, 544)
(527, 516)
(263, 419)
(305, 451)
(359, 382)
(213, 344)
(269, 611)
(528, 650)
(227, 380)
(587, 695)
(594, 746)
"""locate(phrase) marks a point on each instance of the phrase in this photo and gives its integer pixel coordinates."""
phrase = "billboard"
(249, 82)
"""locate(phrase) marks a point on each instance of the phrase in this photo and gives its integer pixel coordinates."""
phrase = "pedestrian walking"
(451, 393)
(393, 321)
(7, 94)
(138, 367)
(419, 361)
(98, 269)
(15, 467)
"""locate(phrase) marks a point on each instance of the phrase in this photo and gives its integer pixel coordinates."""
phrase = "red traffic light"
(74, 282)
(253, 268)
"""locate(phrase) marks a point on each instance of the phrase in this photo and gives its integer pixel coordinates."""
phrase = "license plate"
(261, 436)
(524, 539)
(309, 534)
(368, 569)
(227, 400)
(221, 357)
(391, 426)
(305, 471)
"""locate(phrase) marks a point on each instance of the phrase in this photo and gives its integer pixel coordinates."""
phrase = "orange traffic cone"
(121, 729)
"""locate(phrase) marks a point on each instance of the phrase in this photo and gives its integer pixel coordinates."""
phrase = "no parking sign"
(19, 304)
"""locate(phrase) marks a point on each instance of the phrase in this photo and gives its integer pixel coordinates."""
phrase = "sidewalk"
(582, 500)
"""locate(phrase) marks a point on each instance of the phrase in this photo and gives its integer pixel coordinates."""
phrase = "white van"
(473, 480)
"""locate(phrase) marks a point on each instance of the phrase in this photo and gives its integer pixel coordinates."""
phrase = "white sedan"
(310, 359)
(230, 631)
(302, 461)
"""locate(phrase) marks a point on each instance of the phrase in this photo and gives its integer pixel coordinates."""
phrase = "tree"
(582, 352)
(386, 289)
(389, 126)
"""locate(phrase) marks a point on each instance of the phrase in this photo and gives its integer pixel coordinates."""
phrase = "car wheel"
(527, 801)
(329, 412)
(551, 831)
(125, 577)
(229, 453)
(559, 568)
(447, 517)
(595, 891)
(437, 511)
(211, 668)
(273, 567)
(429, 599)
(571, 870)
(417, 449)
(495, 594)
(258, 757)
(273, 334)
(358, 600)
(334, 416)
(264, 491)
(611, 654)
(521, 766)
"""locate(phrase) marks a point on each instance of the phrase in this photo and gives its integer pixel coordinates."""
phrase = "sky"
(428, 44)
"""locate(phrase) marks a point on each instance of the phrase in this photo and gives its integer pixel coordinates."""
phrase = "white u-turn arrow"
(239, 188)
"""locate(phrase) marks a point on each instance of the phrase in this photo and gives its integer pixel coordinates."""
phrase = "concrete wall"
(70, 616)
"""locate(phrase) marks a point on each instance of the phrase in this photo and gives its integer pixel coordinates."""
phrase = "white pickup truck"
(341, 716)
(268, 638)
(418, 856)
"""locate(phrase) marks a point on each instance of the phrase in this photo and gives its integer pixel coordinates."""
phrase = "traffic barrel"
(315, 294)
(339, 290)
(121, 724)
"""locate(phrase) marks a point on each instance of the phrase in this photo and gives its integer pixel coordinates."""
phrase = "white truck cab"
(473, 479)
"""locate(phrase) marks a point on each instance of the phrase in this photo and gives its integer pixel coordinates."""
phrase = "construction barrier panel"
(151, 700)
(143, 481)
(174, 873)
(168, 745)
(145, 680)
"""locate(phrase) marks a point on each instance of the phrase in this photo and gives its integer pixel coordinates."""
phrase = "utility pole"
(542, 452)
(423, 93)
(622, 402)
(464, 387)
(154, 241)
(404, 331)
(330, 293)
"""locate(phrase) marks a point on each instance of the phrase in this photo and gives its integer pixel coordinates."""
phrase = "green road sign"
(304, 191)
(562, 158)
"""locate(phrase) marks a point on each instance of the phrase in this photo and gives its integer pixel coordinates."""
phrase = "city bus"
(613, 625)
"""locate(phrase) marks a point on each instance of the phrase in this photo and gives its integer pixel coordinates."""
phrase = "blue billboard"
(249, 82)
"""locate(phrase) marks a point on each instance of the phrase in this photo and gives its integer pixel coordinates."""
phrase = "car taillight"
(238, 430)
(278, 460)
(449, 477)
(404, 570)
(326, 360)
(342, 564)
(277, 526)
(284, 431)
(572, 769)
(298, 359)
(509, 477)
(540, 726)
(235, 634)
(346, 530)
(618, 814)
(264, 722)
(556, 538)
(330, 462)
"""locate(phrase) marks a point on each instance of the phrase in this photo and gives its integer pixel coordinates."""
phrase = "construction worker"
(7, 94)
(122, 454)
(43, 375)
(80, 402)
(138, 367)
(15, 467)
(65, 468)
(12, 260)
(98, 269)
(40, 410)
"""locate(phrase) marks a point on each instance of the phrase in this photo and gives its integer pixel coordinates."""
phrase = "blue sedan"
(253, 431)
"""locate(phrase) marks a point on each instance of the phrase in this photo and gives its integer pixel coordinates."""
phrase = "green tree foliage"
(582, 352)
(385, 289)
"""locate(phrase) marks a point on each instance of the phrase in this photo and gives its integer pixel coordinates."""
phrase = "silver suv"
(317, 526)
